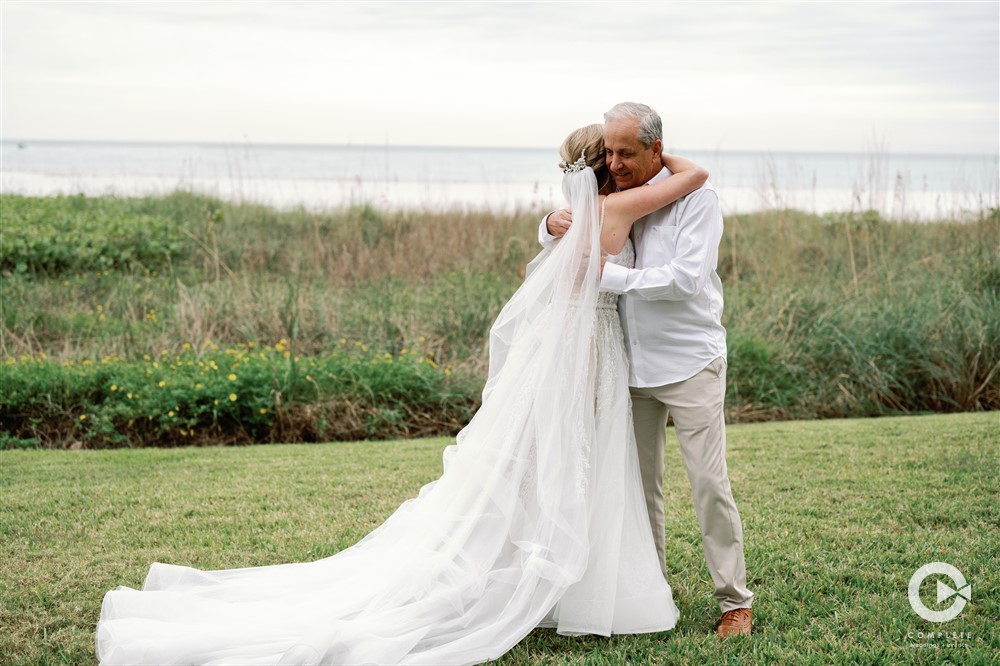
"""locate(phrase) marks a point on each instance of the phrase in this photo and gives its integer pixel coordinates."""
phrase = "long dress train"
(537, 520)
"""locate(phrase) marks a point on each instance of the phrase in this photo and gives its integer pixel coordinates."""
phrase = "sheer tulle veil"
(564, 274)
(463, 571)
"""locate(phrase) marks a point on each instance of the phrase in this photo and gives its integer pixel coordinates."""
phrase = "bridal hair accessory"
(579, 165)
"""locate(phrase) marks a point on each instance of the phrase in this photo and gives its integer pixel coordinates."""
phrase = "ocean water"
(902, 186)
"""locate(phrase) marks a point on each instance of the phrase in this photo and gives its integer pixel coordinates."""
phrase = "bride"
(537, 520)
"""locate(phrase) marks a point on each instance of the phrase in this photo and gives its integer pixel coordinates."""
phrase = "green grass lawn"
(837, 516)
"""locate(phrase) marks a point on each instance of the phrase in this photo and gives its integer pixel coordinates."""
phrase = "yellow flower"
(198, 386)
(162, 384)
(263, 410)
(217, 402)
(128, 395)
(186, 346)
(83, 417)
(145, 356)
(232, 397)
(170, 414)
(114, 388)
(101, 318)
(232, 377)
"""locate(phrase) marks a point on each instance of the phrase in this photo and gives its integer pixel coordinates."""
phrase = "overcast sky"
(919, 77)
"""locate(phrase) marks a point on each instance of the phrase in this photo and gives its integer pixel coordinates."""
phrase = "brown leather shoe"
(736, 622)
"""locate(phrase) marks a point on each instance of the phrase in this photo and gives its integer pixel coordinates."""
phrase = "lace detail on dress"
(625, 565)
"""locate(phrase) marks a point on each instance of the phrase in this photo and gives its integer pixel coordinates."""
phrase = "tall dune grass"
(837, 315)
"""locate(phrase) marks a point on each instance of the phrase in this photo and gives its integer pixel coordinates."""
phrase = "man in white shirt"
(671, 311)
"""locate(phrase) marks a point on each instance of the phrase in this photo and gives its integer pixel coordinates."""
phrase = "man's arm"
(554, 226)
(697, 244)
(545, 239)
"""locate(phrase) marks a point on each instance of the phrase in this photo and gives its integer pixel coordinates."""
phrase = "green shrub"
(834, 316)
(239, 394)
(52, 235)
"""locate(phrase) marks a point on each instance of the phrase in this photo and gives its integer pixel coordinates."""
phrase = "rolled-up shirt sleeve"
(696, 253)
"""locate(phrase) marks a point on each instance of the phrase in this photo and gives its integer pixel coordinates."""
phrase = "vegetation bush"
(53, 235)
(239, 394)
(840, 315)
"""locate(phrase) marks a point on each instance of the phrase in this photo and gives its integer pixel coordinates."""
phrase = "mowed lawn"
(837, 516)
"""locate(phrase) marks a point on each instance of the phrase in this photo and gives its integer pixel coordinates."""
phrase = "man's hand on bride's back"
(558, 222)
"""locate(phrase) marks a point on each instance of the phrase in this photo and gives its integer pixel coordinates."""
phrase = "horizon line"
(384, 146)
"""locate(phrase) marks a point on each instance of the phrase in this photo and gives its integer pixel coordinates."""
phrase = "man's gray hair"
(650, 125)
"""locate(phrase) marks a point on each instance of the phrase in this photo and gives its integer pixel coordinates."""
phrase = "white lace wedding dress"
(537, 520)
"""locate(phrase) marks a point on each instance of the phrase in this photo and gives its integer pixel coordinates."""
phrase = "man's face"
(631, 163)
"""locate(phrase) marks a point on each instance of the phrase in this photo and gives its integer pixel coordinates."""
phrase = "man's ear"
(657, 149)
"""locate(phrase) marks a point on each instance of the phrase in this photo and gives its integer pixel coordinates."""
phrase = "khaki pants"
(696, 405)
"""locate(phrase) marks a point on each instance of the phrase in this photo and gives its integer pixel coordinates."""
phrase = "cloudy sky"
(917, 76)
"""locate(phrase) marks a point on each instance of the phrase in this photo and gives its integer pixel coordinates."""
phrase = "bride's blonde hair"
(589, 141)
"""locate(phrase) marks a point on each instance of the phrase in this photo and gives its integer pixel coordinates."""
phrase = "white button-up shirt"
(671, 302)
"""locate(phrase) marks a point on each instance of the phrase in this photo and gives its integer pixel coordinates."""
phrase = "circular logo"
(962, 592)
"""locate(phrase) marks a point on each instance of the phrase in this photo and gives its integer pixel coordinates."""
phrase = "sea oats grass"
(830, 316)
